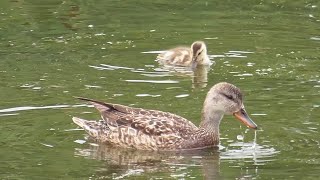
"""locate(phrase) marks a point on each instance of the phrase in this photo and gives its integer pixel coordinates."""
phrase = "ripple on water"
(130, 172)
(153, 52)
(9, 114)
(153, 81)
(26, 108)
(316, 38)
(158, 72)
(249, 64)
(237, 54)
(80, 141)
(148, 95)
(182, 95)
(115, 67)
(100, 68)
(47, 145)
(233, 54)
(243, 75)
(177, 164)
(157, 75)
(259, 154)
(109, 67)
(258, 114)
(92, 86)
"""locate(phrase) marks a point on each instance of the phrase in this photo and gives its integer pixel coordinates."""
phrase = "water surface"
(53, 50)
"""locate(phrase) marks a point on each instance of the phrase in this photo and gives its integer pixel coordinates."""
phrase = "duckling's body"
(156, 130)
(185, 56)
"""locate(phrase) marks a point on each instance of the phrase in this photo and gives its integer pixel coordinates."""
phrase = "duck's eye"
(199, 52)
(228, 96)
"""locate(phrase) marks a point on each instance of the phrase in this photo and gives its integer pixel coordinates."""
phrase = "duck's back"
(138, 128)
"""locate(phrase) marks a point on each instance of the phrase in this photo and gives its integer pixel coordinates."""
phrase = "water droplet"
(240, 137)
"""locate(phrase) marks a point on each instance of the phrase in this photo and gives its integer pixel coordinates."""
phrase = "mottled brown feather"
(156, 126)
(156, 130)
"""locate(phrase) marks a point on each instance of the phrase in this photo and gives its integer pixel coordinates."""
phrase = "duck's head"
(225, 98)
(199, 51)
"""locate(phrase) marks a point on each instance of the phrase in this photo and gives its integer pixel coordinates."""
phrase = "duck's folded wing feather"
(150, 122)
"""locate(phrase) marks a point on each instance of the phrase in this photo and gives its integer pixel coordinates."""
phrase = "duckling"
(138, 128)
(184, 56)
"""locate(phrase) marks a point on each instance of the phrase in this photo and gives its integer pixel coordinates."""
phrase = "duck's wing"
(149, 122)
(180, 56)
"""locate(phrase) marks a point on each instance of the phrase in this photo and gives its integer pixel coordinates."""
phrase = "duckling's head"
(199, 51)
(225, 98)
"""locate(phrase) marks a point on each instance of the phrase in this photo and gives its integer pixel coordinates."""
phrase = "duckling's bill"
(243, 116)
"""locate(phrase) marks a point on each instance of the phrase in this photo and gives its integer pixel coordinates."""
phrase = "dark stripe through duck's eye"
(228, 96)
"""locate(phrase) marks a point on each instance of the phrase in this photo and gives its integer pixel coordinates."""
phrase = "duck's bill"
(194, 64)
(245, 119)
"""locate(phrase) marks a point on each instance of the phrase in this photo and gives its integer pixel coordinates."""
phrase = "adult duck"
(185, 56)
(138, 128)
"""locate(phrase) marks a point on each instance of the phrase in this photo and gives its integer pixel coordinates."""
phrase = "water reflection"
(123, 163)
(156, 75)
(71, 14)
(199, 75)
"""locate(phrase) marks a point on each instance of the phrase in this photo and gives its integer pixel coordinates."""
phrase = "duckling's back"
(180, 56)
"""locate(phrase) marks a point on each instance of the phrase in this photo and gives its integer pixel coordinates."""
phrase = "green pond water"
(53, 50)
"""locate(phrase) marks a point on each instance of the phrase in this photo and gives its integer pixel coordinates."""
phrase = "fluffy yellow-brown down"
(185, 56)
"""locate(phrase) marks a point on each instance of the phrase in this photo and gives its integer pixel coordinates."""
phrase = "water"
(51, 51)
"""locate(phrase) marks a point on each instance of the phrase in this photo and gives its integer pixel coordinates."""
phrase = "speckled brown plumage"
(156, 130)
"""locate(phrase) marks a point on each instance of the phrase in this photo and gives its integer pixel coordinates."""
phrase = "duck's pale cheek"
(228, 113)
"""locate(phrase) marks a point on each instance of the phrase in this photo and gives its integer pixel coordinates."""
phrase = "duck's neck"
(211, 121)
(204, 59)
